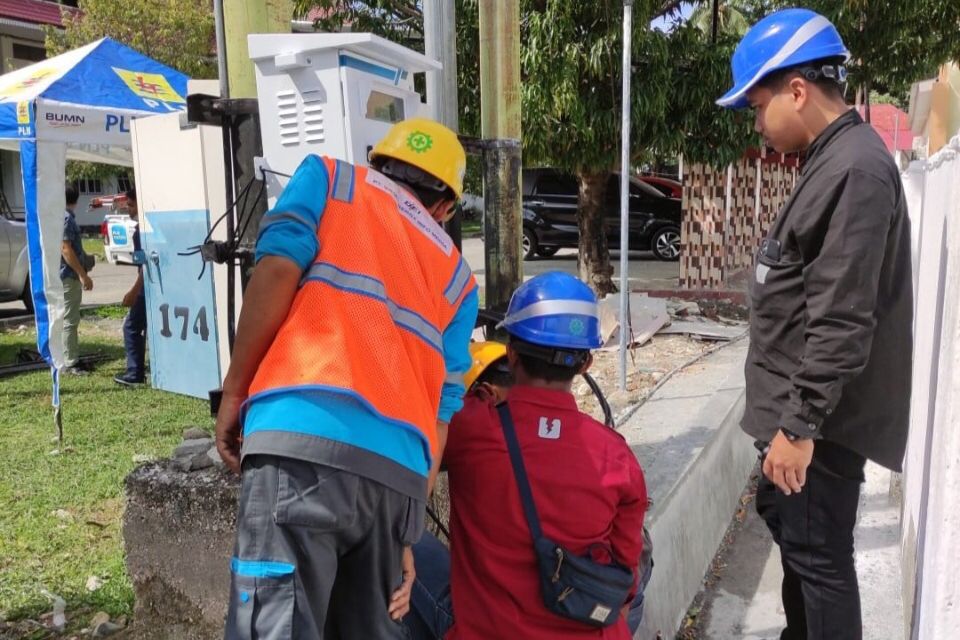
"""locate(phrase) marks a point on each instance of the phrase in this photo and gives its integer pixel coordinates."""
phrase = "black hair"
(533, 359)
(497, 374)
(71, 194)
(812, 72)
(131, 194)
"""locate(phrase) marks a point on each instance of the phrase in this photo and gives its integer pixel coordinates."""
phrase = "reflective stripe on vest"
(365, 285)
(343, 178)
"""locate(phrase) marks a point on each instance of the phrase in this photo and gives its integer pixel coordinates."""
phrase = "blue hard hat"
(554, 309)
(781, 40)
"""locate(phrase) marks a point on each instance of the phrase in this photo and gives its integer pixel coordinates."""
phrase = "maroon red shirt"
(588, 489)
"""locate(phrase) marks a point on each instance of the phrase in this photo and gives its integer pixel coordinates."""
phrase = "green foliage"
(178, 33)
(731, 19)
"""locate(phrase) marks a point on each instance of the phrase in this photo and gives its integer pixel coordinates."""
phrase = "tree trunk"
(593, 262)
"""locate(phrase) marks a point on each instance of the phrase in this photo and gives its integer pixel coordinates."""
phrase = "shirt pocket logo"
(762, 271)
(549, 429)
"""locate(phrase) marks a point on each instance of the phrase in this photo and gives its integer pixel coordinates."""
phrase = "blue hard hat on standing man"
(784, 40)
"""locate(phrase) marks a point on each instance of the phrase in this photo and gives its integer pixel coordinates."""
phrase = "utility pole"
(440, 40)
(500, 128)
(440, 43)
(241, 18)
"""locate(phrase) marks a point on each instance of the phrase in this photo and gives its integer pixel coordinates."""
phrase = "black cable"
(230, 208)
(246, 223)
(436, 520)
(276, 173)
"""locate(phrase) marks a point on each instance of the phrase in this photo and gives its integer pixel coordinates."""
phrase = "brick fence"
(727, 212)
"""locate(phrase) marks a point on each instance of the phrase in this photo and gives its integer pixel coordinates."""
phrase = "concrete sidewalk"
(743, 600)
(696, 461)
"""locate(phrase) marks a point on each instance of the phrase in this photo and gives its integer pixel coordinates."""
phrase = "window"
(28, 52)
(557, 184)
(124, 183)
(89, 186)
(384, 107)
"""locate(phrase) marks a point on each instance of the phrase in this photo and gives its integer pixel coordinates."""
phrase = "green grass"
(471, 228)
(111, 311)
(94, 246)
(61, 514)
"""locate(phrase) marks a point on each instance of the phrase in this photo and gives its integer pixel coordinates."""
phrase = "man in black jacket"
(829, 367)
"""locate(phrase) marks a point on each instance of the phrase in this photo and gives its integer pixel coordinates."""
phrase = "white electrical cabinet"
(333, 94)
(180, 190)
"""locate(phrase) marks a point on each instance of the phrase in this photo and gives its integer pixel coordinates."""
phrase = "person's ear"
(587, 364)
(799, 90)
(512, 357)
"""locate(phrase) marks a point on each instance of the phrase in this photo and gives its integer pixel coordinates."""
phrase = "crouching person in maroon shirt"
(586, 484)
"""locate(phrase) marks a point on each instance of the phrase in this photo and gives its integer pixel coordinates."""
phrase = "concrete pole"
(440, 43)
(440, 40)
(500, 127)
(241, 18)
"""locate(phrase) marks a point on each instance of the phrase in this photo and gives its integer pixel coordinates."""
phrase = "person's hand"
(87, 283)
(228, 433)
(485, 392)
(786, 463)
(400, 600)
(129, 298)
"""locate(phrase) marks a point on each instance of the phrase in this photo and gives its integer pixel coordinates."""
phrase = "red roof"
(36, 11)
(886, 119)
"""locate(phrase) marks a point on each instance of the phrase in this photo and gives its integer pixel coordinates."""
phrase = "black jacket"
(832, 303)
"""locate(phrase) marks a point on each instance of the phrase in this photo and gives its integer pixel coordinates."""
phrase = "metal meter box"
(333, 94)
(180, 177)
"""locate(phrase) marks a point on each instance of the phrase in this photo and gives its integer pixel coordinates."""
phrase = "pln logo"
(154, 88)
(118, 123)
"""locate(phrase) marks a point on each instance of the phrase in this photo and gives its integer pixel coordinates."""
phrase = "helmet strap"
(575, 359)
(835, 72)
(412, 175)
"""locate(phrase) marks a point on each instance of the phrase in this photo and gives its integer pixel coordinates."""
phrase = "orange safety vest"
(369, 317)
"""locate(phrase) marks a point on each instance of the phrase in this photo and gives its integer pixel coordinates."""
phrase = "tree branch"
(666, 8)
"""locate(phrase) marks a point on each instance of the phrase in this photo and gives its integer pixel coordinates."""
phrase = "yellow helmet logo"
(419, 141)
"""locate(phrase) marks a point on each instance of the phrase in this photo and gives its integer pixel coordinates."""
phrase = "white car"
(14, 263)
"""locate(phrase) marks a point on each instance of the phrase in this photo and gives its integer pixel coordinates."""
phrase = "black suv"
(550, 215)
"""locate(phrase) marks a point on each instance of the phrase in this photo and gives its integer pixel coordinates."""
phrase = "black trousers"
(814, 530)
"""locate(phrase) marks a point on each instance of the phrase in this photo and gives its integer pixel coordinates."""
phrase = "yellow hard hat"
(483, 355)
(427, 145)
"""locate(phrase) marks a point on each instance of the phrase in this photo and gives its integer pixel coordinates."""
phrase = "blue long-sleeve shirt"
(315, 425)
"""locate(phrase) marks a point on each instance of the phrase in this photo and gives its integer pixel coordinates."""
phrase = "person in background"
(76, 280)
(135, 324)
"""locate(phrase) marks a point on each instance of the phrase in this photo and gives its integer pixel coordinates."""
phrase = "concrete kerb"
(697, 461)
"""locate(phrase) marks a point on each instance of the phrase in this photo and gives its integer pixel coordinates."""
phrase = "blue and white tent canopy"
(75, 106)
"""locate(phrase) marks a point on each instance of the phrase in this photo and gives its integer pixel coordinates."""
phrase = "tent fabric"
(77, 106)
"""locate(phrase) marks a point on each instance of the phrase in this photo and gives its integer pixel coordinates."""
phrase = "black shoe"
(128, 380)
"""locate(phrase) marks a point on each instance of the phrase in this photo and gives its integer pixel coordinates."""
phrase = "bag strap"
(519, 471)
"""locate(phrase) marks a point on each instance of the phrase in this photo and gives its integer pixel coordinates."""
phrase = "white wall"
(931, 509)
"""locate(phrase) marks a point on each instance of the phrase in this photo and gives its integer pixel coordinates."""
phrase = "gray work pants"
(318, 553)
